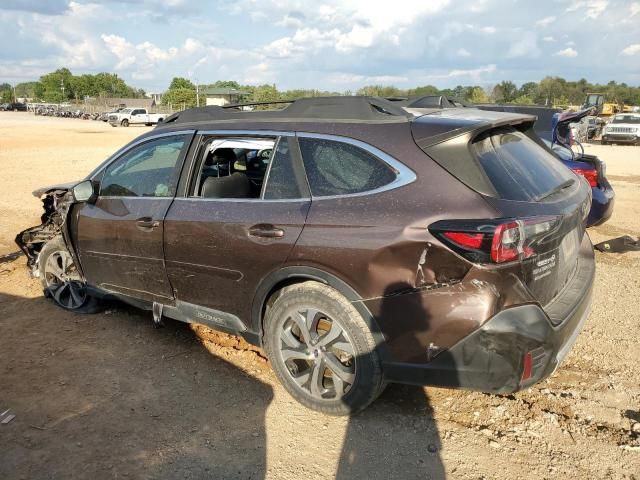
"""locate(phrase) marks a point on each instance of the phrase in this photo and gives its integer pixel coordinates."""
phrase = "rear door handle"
(264, 230)
(147, 223)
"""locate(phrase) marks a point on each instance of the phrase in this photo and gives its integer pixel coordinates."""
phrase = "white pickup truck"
(131, 116)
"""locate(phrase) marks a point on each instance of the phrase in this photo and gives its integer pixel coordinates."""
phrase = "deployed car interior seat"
(235, 185)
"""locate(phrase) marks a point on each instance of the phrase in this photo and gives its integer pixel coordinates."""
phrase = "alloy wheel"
(63, 281)
(318, 354)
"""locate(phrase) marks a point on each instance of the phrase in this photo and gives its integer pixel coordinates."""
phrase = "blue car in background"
(553, 128)
(594, 170)
(588, 166)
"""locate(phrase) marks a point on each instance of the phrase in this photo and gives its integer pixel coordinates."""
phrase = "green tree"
(523, 100)
(505, 91)
(180, 97)
(226, 84)
(529, 89)
(549, 89)
(478, 95)
(6, 93)
(422, 91)
(180, 82)
(265, 93)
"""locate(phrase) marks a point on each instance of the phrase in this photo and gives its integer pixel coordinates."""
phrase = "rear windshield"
(517, 168)
(626, 119)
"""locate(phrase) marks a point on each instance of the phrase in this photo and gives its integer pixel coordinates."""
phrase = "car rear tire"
(125, 123)
(61, 280)
(321, 349)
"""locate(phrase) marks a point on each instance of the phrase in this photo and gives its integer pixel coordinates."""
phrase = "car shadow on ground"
(397, 436)
(95, 398)
(120, 399)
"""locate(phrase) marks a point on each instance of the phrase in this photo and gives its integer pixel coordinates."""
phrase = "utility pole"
(197, 94)
(62, 87)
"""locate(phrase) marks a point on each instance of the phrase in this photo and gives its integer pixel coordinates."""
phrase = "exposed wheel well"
(274, 292)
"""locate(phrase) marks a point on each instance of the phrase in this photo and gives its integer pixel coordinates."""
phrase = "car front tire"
(322, 350)
(61, 280)
(125, 123)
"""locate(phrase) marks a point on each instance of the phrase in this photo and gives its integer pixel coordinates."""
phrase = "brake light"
(497, 241)
(591, 174)
(468, 240)
(507, 243)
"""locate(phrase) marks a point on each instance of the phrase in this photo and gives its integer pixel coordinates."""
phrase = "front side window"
(148, 170)
(338, 168)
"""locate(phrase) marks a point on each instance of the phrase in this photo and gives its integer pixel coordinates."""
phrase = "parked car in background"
(588, 166)
(133, 116)
(593, 169)
(622, 128)
(356, 243)
(14, 107)
(104, 116)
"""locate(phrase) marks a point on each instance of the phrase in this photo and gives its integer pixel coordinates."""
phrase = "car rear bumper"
(492, 358)
(602, 203)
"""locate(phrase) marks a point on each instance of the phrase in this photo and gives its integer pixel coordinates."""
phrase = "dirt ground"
(110, 396)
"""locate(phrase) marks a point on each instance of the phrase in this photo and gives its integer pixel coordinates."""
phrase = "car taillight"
(497, 241)
(467, 240)
(591, 174)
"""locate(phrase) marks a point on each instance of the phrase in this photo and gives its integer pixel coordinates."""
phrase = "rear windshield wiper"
(559, 188)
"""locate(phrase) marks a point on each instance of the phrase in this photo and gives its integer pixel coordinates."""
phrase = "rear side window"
(337, 168)
(281, 183)
(516, 167)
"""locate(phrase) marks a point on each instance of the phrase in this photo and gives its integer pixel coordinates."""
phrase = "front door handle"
(147, 223)
(265, 230)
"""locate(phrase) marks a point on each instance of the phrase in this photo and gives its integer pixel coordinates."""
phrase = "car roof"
(370, 119)
(318, 109)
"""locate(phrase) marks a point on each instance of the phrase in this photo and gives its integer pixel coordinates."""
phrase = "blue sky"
(333, 45)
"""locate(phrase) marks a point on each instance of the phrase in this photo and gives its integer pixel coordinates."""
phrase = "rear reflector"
(527, 368)
(591, 174)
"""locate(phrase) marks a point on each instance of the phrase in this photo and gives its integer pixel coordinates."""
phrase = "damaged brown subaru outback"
(357, 243)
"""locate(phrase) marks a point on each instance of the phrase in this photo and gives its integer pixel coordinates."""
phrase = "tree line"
(62, 86)
(550, 91)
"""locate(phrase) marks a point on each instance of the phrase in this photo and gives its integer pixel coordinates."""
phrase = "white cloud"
(350, 78)
(568, 52)
(631, 49)
(634, 8)
(526, 46)
(546, 21)
(474, 73)
(488, 29)
(291, 21)
(121, 48)
(463, 52)
(549, 39)
(592, 8)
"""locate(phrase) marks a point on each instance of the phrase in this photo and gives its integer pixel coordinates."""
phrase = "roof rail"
(358, 108)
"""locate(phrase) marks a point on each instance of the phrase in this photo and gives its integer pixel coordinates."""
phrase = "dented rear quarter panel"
(418, 291)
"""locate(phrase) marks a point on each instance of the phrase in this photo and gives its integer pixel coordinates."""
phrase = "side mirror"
(85, 192)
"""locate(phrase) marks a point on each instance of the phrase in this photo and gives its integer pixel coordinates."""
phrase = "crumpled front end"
(56, 204)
